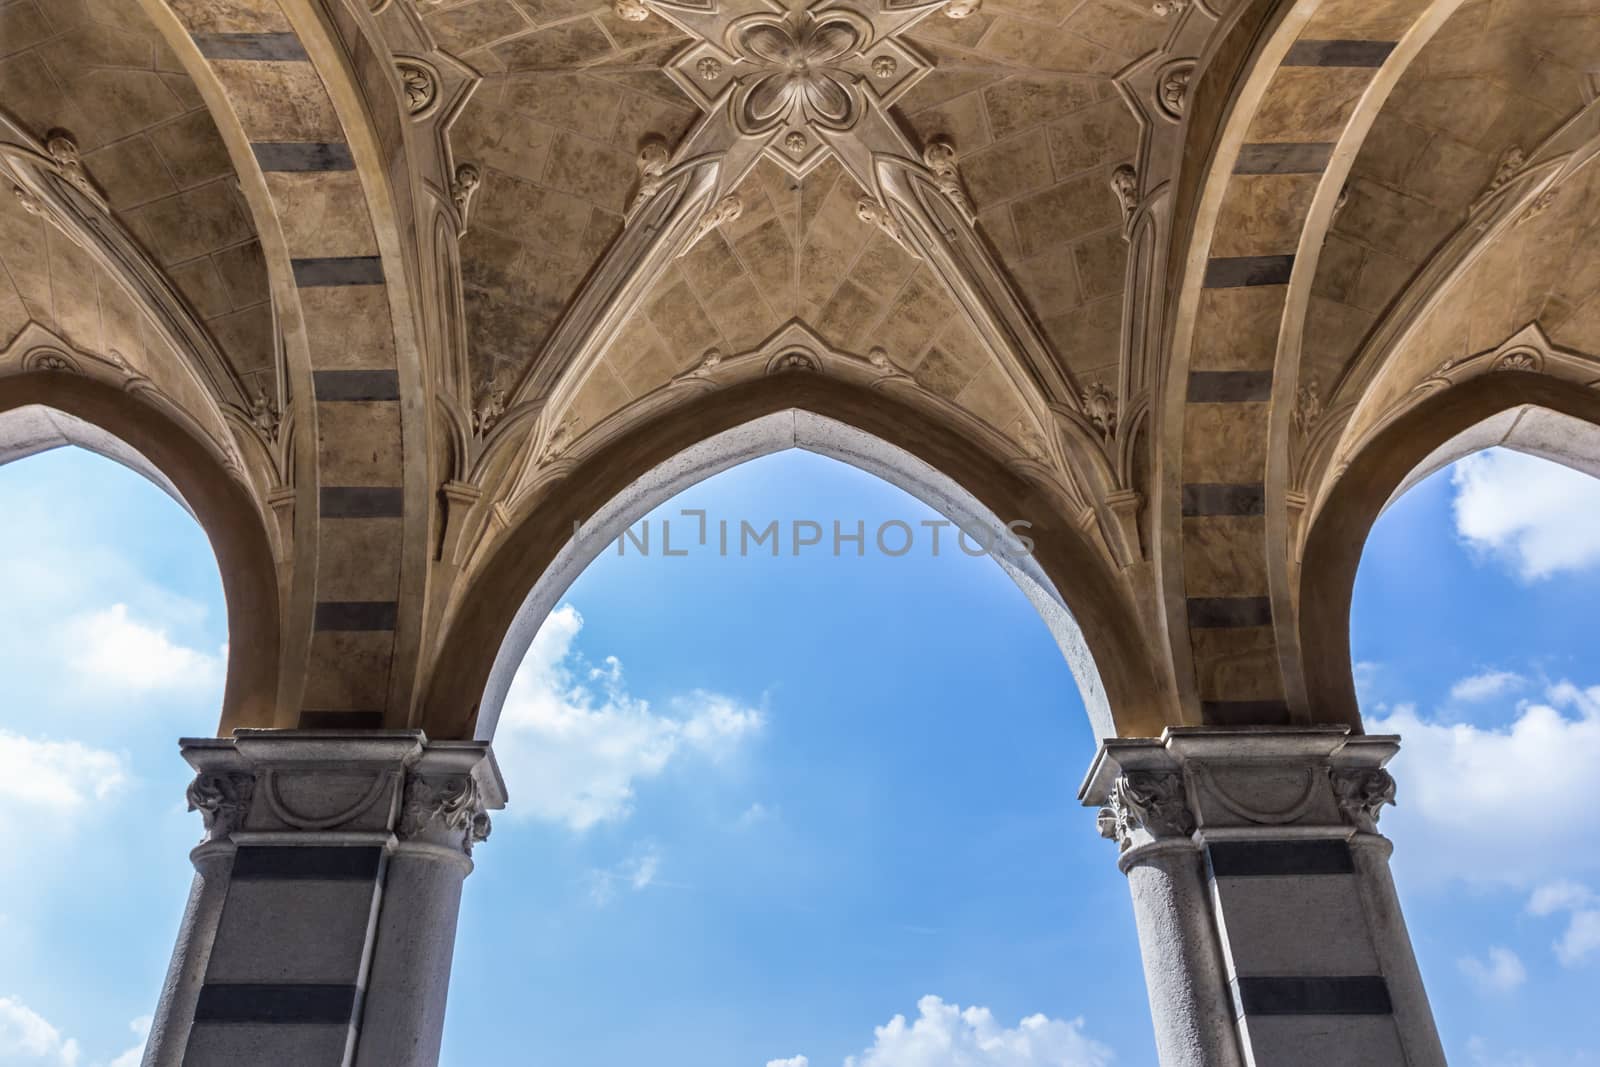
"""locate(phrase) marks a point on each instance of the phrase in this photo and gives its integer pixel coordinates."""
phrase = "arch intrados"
(121, 427)
(1065, 578)
(1529, 412)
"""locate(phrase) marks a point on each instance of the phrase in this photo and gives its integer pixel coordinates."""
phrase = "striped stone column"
(323, 920)
(1261, 884)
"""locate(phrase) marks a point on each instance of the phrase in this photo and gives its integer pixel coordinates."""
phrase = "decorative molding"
(1361, 794)
(1148, 801)
(1290, 813)
(381, 782)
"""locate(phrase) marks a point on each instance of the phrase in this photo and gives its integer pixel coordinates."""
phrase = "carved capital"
(1151, 801)
(1361, 794)
(222, 800)
(444, 809)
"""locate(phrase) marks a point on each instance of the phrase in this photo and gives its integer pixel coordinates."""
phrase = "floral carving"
(264, 414)
(794, 361)
(462, 187)
(1539, 206)
(798, 72)
(878, 356)
(418, 84)
(1145, 800)
(1307, 405)
(1100, 405)
(29, 202)
(709, 68)
(1519, 360)
(1175, 89)
(652, 164)
(446, 803)
(940, 159)
(489, 411)
(962, 9)
(64, 151)
(1510, 163)
(870, 211)
(1169, 7)
(1361, 795)
(728, 209)
(222, 800)
(884, 67)
(795, 141)
(1125, 184)
(630, 10)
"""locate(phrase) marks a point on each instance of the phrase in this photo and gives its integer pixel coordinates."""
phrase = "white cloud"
(638, 873)
(792, 1061)
(25, 1033)
(1559, 896)
(1486, 686)
(1533, 514)
(574, 743)
(58, 777)
(1498, 804)
(1501, 972)
(1581, 938)
(947, 1035)
(111, 650)
(133, 1057)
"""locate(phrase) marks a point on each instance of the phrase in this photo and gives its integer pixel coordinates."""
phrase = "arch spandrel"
(1096, 595)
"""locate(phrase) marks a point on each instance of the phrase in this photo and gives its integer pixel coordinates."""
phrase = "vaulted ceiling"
(434, 278)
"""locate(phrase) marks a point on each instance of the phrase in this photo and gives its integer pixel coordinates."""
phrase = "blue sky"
(807, 811)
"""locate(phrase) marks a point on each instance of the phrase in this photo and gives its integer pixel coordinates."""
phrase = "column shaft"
(1297, 917)
(323, 920)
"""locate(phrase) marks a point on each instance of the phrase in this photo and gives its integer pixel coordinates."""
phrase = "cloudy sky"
(807, 811)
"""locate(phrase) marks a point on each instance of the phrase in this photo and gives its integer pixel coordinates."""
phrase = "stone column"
(324, 920)
(1297, 927)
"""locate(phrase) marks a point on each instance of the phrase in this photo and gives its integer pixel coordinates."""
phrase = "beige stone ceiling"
(99, 70)
(1021, 89)
(1500, 74)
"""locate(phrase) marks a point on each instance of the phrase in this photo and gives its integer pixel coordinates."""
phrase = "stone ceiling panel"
(1498, 78)
(1021, 91)
(100, 71)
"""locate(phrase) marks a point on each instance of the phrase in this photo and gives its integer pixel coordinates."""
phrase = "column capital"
(1203, 784)
(384, 788)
